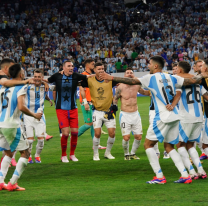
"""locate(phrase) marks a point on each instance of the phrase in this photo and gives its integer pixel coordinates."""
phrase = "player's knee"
(126, 137)
(138, 137)
(112, 134)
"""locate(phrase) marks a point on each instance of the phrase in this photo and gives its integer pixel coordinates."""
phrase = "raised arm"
(10, 83)
(117, 95)
(124, 80)
(194, 80)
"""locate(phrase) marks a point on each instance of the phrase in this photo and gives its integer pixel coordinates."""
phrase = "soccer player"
(198, 69)
(165, 126)
(191, 118)
(86, 103)
(11, 138)
(66, 107)
(104, 112)
(35, 98)
(129, 118)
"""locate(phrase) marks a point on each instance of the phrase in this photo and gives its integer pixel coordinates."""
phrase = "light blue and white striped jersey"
(9, 112)
(163, 89)
(190, 109)
(35, 97)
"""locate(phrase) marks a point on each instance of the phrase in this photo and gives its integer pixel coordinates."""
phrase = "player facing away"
(129, 117)
(104, 112)
(165, 126)
(11, 138)
(34, 100)
(66, 107)
(191, 118)
(86, 103)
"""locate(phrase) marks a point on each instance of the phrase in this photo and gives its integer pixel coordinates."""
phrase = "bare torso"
(129, 97)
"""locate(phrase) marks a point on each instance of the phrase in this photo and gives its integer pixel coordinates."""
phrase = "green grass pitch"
(106, 182)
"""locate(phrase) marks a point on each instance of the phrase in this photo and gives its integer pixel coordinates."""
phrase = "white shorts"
(32, 124)
(130, 122)
(163, 132)
(151, 116)
(99, 119)
(190, 132)
(13, 139)
(205, 132)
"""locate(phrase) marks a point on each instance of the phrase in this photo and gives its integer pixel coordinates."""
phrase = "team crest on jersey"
(32, 89)
(37, 89)
(100, 91)
(41, 89)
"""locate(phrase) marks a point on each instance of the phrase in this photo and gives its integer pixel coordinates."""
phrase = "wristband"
(85, 101)
(112, 78)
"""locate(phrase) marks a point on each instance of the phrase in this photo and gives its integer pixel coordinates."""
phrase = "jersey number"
(4, 99)
(170, 92)
(196, 96)
(37, 95)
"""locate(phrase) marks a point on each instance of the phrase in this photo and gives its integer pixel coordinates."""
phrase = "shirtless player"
(129, 118)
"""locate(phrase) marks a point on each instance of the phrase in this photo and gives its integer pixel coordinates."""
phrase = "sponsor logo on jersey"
(100, 91)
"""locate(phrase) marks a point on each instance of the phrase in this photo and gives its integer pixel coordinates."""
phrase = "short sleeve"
(145, 80)
(22, 91)
(51, 87)
(178, 81)
(52, 78)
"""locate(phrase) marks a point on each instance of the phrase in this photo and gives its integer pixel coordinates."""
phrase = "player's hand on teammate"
(61, 72)
(105, 76)
(38, 116)
(46, 86)
(91, 75)
(204, 74)
(169, 107)
(29, 81)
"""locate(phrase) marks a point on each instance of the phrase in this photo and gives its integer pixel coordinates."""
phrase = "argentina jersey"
(35, 97)
(163, 89)
(190, 109)
(9, 112)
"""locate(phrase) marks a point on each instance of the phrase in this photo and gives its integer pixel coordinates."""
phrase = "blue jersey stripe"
(14, 144)
(184, 100)
(37, 98)
(14, 100)
(28, 97)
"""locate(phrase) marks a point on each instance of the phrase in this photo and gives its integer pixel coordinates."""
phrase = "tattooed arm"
(117, 95)
(130, 81)
(194, 80)
(144, 92)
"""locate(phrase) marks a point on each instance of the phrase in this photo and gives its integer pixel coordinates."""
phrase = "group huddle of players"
(175, 118)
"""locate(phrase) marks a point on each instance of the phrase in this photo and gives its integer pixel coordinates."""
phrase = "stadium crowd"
(43, 34)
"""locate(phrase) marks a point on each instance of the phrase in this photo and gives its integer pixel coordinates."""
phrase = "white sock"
(154, 162)
(178, 163)
(206, 151)
(30, 141)
(96, 142)
(135, 146)
(4, 167)
(125, 145)
(186, 161)
(195, 158)
(109, 145)
(39, 147)
(156, 148)
(199, 144)
(13, 157)
(21, 164)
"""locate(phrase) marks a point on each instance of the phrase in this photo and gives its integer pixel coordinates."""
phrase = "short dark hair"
(185, 66)
(6, 61)
(14, 70)
(88, 61)
(38, 71)
(67, 61)
(160, 60)
(98, 64)
(175, 64)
